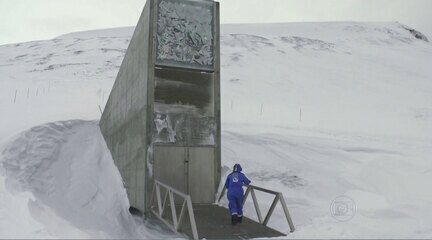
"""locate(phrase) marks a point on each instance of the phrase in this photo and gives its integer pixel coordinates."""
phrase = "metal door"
(170, 166)
(188, 169)
(201, 174)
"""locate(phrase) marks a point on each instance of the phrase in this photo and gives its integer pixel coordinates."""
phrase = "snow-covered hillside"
(315, 110)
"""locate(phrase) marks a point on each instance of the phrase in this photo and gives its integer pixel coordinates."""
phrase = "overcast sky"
(26, 20)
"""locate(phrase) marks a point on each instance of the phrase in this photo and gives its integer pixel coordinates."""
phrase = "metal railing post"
(173, 210)
(159, 200)
(257, 209)
(182, 212)
(287, 215)
(164, 203)
(152, 195)
(270, 212)
(246, 194)
(222, 193)
(192, 218)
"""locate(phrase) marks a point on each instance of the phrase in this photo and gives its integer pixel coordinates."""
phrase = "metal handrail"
(278, 198)
(187, 202)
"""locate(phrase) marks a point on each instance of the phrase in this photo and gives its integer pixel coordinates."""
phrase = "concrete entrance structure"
(162, 119)
(162, 122)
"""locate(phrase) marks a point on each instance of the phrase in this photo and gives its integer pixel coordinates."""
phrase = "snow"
(77, 190)
(314, 110)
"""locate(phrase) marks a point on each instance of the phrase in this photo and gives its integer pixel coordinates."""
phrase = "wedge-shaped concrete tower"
(162, 119)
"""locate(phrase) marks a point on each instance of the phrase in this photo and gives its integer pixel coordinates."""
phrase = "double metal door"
(188, 169)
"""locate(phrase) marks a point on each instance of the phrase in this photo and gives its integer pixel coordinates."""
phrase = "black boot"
(239, 219)
(234, 219)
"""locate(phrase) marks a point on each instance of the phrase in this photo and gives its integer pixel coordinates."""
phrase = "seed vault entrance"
(162, 119)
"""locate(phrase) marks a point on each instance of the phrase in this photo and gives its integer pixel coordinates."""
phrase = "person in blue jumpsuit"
(234, 184)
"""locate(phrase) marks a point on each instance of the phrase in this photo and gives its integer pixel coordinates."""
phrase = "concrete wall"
(124, 120)
(156, 102)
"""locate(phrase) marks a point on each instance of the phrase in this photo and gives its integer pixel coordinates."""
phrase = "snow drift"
(315, 110)
(77, 190)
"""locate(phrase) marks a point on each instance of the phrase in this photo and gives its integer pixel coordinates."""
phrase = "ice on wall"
(185, 33)
(182, 124)
(162, 124)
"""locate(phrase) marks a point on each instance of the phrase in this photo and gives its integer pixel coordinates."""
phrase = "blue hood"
(237, 168)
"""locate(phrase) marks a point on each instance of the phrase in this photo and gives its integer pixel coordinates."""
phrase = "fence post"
(300, 114)
(16, 91)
